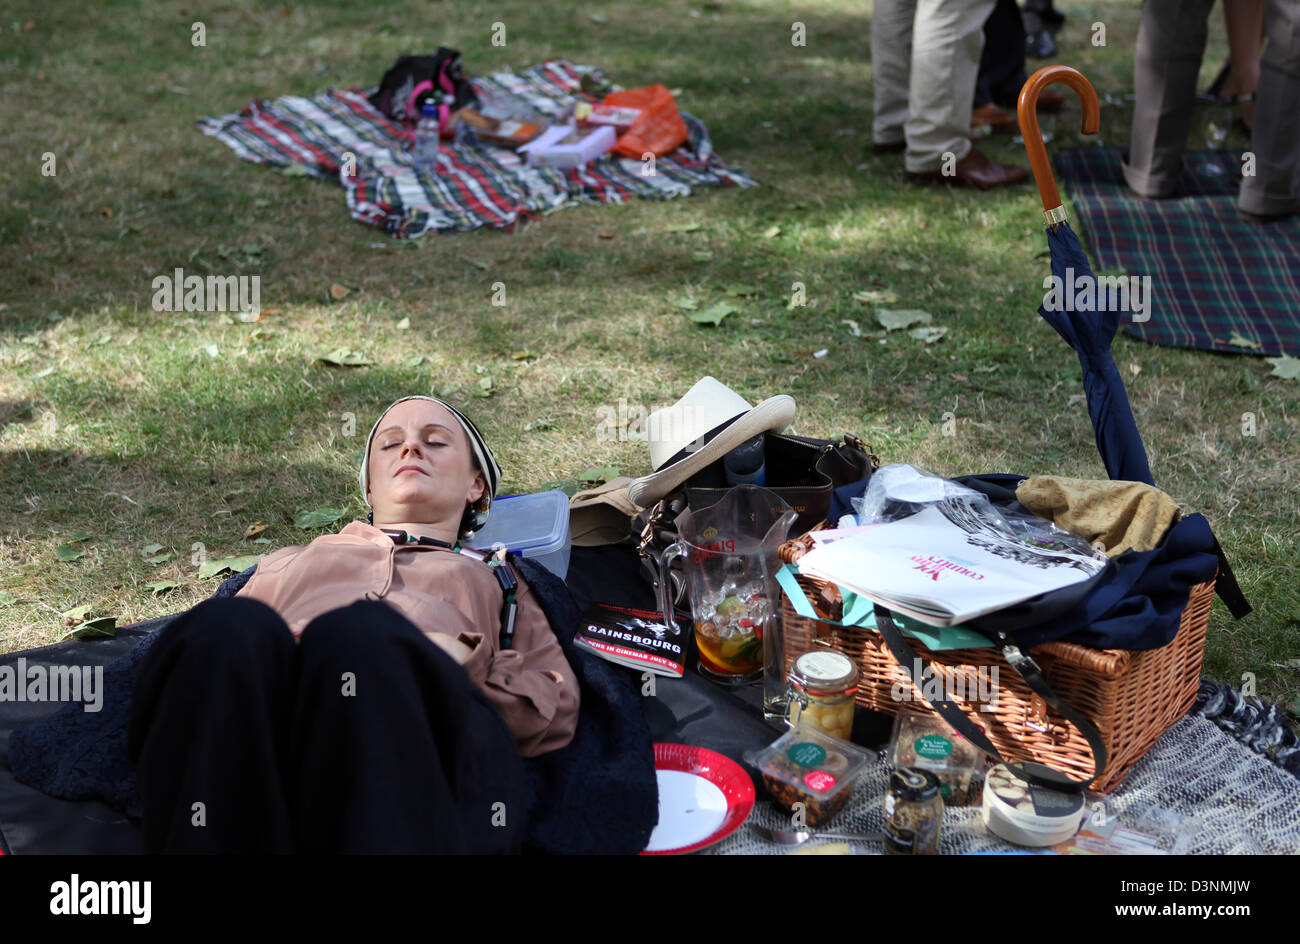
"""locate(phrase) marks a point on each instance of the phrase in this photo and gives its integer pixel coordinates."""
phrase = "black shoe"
(1040, 44)
(1263, 219)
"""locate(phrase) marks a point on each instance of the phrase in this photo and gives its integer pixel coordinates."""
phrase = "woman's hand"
(452, 646)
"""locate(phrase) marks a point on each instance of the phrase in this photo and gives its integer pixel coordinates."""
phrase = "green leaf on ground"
(929, 334)
(78, 536)
(894, 320)
(570, 487)
(525, 355)
(876, 297)
(105, 627)
(1285, 366)
(539, 426)
(67, 553)
(1240, 340)
(236, 565)
(295, 170)
(342, 357)
(7, 598)
(682, 228)
(415, 360)
(317, 517)
(484, 387)
(702, 255)
(404, 324)
(713, 314)
(597, 476)
(686, 303)
(77, 613)
(772, 232)
(161, 586)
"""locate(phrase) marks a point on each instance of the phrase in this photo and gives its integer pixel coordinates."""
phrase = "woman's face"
(422, 466)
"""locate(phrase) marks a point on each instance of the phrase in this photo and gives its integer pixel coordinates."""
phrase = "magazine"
(638, 639)
(949, 564)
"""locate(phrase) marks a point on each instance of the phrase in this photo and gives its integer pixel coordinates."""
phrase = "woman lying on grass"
(373, 691)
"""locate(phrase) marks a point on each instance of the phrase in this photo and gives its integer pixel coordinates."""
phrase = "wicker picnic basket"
(1132, 697)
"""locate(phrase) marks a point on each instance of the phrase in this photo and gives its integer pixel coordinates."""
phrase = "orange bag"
(660, 128)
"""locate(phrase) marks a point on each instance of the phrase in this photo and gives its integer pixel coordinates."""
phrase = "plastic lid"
(1030, 809)
(912, 783)
(811, 761)
(429, 109)
(526, 524)
(824, 670)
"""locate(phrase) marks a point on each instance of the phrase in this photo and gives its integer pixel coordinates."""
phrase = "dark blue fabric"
(596, 795)
(1090, 334)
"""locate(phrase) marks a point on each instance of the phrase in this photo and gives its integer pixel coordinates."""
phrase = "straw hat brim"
(772, 415)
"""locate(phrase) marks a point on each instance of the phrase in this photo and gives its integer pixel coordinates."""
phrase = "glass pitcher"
(729, 562)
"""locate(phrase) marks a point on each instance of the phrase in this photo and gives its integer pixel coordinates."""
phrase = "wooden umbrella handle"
(1027, 110)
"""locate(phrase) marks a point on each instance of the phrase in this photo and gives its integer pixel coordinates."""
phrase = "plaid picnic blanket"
(338, 134)
(1213, 275)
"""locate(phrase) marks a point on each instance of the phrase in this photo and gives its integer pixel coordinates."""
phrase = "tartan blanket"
(339, 135)
(1213, 275)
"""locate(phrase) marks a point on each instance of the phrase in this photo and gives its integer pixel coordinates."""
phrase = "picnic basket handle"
(1027, 110)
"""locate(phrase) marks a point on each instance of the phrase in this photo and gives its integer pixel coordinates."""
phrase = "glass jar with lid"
(823, 686)
(913, 812)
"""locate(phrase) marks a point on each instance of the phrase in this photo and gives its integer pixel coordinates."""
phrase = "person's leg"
(1275, 141)
(946, 44)
(209, 730)
(1002, 63)
(891, 64)
(395, 749)
(1171, 41)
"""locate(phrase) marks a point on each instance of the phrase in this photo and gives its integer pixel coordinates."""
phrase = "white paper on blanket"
(945, 565)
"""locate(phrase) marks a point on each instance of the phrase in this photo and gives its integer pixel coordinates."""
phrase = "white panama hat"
(700, 428)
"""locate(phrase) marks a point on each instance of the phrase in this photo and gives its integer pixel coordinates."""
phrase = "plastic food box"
(806, 765)
(534, 526)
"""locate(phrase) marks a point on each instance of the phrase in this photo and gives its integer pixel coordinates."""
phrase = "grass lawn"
(122, 427)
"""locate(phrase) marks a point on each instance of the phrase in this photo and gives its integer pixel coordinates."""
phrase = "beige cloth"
(1117, 515)
(602, 515)
(925, 57)
(439, 591)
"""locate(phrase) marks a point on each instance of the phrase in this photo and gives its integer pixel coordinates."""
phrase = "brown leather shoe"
(993, 116)
(1049, 101)
(976, 170)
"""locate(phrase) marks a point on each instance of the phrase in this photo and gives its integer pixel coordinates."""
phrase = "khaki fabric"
(1117, 515)
(602, 515)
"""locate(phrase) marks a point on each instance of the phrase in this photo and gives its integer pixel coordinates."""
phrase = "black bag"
(803, 472)
(415, 80)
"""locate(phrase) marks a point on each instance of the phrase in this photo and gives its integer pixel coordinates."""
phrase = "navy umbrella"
(1088, 330)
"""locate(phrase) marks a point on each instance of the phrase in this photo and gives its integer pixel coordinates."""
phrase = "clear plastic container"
(534, 526)
(806, 765)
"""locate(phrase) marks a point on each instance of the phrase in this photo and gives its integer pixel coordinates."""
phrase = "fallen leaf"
(415, 360)
(928, 335)
(904, 265)
(261, 540)
(1285, 366)
(537, 426)
(339, 292)
(597, 476)
(78, 536)
(271, 311)
(342, 357)
(896, 319)
(524, 355)
(742, 290)
(483, 388)
(295, 170)
(702, 255)
(161, 586)
(156, 559)
(772, 232)
(249, 316)
(986, 370)
(7, 598)
(66, 553)
(822, 353)
(1240, 340)
(404, 324)
(317, 517)
(76, 614)
(106, 212)
(253, 530)
(236, 565)
(598, 18)
(1135, 368)
(211, 350)
(605, 235)
(686, 303)
(104, 627)
(713, 314)
(682, 228)
(876, 297)
(569, 487)
(853, 326)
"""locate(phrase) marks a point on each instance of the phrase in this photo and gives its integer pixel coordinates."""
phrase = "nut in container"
(808, 766)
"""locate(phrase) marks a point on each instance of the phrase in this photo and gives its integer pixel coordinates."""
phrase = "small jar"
(823, 686)
(913, 812)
